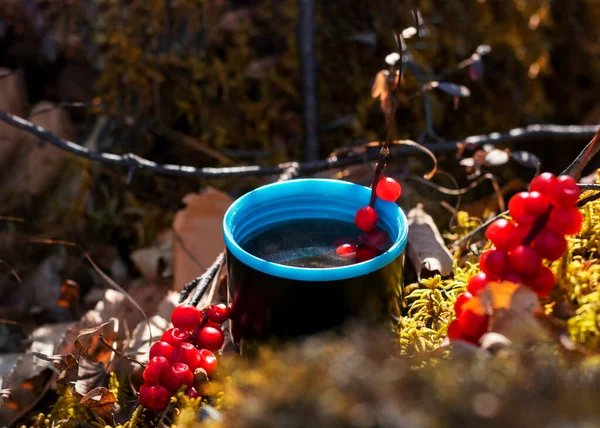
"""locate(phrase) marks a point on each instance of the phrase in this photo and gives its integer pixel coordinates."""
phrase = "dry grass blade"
(80, 346)
(410, 143)
(10, 218)
(99, 271)
(12, 271)
(116, 352)
(471, 186)
(422, 148)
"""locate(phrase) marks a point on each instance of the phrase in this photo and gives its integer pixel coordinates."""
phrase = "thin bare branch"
(544, 133)
(586, 155)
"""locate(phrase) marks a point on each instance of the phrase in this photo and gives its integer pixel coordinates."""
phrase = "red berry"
(366, 219)
(210, 338)
(161, 349)
(525, 260)
(494, 262)
(549, 245)
(388, 189)
(192, 393)
(565, 221)
(212, 324)
(154, 397)
(543, 183)
(473, 325)
(186, 317)
(517, 210)
(364, 254)
(513, 277)
(503, 234)
(454, 332)
(341, 241)
(460, 301)
(566, 192)
(377, 240)
(521, 231)
(536, 204)
(543, 282)
(177, 375)
(218, 313)
(175, 336)
(208, 362)
(155, 368)
(187, 354)
(477, 283)
(143, 398)
(345, 250)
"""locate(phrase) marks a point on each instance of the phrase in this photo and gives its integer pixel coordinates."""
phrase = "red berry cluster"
(541, 219)
(183, 353)
(373, 242)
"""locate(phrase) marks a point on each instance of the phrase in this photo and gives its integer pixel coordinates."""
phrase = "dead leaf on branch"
(381, 90)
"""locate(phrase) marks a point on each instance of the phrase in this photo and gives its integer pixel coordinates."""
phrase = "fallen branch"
(201, 283)
(426, 249)
(132, 162)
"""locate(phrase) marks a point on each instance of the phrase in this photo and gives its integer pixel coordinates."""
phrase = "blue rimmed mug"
(274, 300)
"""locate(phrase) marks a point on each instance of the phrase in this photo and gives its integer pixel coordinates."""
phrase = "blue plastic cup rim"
(309, 198)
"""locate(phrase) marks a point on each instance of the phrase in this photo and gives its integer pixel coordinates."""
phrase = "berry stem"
(201, 325)
(537, 227)
(385, 150)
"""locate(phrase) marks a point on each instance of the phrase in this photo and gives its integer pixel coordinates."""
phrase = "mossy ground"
(371, 378)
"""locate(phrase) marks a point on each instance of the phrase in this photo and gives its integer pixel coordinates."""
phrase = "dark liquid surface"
(308, 243)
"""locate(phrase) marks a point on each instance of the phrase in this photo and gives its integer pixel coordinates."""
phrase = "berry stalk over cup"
(385, 188)
(540, 219)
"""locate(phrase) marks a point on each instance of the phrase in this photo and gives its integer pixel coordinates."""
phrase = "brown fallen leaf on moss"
(198, 233)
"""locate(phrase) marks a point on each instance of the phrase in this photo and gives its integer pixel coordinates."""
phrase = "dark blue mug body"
(274, 300)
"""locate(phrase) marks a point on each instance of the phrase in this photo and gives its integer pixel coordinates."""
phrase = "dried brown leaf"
(83, 346)
(156, 262)
(381, 90)
(99, 401)
(69, 295)
(198, 234)
(90, 375)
